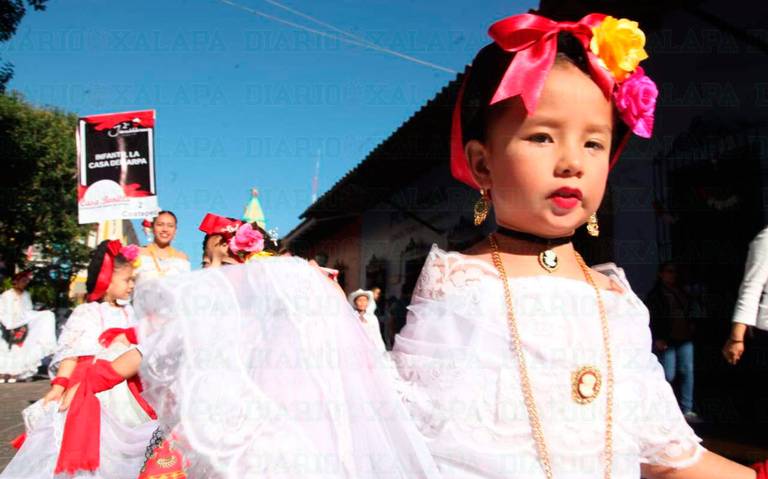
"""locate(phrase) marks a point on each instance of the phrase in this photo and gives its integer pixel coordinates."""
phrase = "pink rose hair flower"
(635, 99)
(130, 252)
(247, 240)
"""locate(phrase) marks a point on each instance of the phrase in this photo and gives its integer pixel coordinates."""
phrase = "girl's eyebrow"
(600, 128)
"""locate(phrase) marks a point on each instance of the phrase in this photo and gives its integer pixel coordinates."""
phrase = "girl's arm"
(710, 466)
(65, 370)
(126, 365)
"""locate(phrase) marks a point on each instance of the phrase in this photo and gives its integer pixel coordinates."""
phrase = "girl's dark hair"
(485, 74)
(97, 259)
(165, 212)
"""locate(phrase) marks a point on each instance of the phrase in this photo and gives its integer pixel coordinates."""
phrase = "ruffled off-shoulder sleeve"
(652, 415)
(79, 336)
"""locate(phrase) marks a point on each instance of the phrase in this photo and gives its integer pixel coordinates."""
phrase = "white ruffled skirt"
(125, 433)
(263, 370)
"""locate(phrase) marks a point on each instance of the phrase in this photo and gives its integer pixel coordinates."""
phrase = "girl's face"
(164, 229)
(121, 286)
(547, 171)
(216, 253)
(361, 303)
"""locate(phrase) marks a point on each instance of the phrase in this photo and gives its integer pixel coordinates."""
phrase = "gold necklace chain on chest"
(586, 382)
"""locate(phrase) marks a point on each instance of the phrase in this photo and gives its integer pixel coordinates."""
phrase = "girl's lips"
(565, 203)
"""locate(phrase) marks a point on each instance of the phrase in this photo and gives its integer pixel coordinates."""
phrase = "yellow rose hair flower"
(619, 44)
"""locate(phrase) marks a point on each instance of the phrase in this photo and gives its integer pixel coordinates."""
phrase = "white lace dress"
(263, 369)
(463, 387)
(16, 311)
(125, 427)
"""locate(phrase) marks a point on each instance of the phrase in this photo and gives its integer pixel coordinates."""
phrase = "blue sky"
(241, 100)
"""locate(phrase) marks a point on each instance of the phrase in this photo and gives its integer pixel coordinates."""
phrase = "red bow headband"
(114, 248)
(533, 39)
(219, 225)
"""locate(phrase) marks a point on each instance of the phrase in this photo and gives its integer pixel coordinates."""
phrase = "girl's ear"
(477, 155)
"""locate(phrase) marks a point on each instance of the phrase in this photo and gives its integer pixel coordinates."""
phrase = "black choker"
(547, 258)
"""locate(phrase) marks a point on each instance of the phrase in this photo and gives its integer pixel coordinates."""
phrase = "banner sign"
(116, 166)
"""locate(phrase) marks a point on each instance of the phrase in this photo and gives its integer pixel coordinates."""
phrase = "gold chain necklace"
(525, 383)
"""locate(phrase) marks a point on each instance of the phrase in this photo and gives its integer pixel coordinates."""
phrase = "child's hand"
(67, 400)
(732, 351)
(54, 394)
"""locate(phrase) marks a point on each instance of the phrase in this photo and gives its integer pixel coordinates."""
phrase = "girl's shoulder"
(84, 313)
(450, 271)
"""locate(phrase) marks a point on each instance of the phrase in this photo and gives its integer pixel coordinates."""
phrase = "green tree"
(38, 199)
(11, 13)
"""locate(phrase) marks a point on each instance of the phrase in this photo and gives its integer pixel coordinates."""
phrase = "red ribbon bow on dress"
(534, 41)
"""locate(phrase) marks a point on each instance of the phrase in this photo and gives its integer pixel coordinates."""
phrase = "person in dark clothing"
(672, 327)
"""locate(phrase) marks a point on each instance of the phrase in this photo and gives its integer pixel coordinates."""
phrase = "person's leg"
(668, 360)
(685, 369)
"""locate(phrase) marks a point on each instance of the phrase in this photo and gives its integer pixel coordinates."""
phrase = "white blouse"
(461, 381)
(80, 334)
(13, 307)
(752, 304)
(156, 267)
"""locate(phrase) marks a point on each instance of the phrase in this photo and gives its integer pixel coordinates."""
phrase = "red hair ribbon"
(105, 273)
(534, 40)
(219, 225)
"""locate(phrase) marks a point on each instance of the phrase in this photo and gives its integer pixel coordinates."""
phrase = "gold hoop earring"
(592, 227)
(482, 207)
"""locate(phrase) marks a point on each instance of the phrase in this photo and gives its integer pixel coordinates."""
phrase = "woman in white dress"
(105, 433)
(159, 258)
(28, 336)
(517, 360)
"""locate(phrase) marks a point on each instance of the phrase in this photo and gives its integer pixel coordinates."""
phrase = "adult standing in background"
(159, 258)
(752, 303)
(672, 327)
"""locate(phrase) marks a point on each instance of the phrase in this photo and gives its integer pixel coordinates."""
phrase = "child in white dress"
(105, 432)
(28, 335)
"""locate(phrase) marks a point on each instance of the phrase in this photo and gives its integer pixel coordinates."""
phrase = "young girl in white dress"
(28, 335)
(105, 432)
(517, 360)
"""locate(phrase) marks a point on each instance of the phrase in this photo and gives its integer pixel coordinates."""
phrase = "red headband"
(534, 41)
(219, 225)
(105, 273)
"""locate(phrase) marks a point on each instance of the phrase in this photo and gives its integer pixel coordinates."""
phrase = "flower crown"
(614, 49)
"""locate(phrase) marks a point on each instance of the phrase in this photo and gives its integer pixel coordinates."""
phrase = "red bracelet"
(60, 381)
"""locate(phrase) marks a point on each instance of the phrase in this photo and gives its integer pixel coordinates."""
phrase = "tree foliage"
(11, 13)
(38, 203)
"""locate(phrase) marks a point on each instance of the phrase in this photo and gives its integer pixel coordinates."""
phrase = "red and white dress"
(21, 357)
(126, 423)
